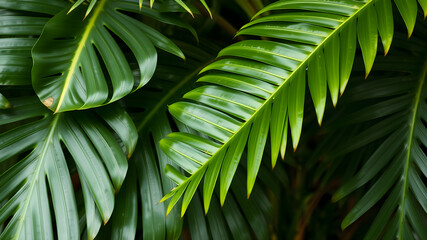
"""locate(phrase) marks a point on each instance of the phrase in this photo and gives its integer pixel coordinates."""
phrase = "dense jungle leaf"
(80, 64)
(302, 42)
(43, 146)
(148, 180)
(20, 26)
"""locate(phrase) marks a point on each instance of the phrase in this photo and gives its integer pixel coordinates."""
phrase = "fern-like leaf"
(258, 86)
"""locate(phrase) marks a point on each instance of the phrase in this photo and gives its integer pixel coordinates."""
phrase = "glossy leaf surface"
(86, 65)
(392, 173)
(43, 148)
(301, 39)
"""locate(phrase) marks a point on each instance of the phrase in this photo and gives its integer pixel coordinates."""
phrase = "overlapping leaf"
(46, 148)
(81, 64)
(390, 111)
(147, 178)
(20, 26)
(141, 2)
(258, 86)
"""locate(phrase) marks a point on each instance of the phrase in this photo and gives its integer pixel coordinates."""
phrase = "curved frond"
(141, 3)
(4, 103)
(392, 108)
(44, 145)
(258, 86)
(172, 78)
(81, 64)
(146, 177)
(20, 26)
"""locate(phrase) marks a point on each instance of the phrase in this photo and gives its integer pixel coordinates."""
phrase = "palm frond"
(172, 78)
(99, 143)
(391, 111)
(257, 86)
(146, 177)
(93, 69)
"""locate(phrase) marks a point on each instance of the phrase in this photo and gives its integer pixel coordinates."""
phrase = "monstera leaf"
(45, 148)
(258, 86)
(80, 64)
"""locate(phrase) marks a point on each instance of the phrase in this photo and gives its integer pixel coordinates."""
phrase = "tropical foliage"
(161, 120)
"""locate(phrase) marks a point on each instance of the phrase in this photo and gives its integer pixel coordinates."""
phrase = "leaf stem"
(409, 146)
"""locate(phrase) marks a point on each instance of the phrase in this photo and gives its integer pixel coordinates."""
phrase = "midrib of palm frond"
(301, 67)
(412, 122)
(171, 93)
(247, 123)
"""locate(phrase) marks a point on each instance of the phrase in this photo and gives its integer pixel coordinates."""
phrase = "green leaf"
(210, 181)
(277, 127)
(229, 167)
(390, 108)
(19, 31)
(332, 53)
(254, 76)
(317, 84)
(347, 52)
(385, 17)
(47, 142)
(367, 30)
(140, 2)
(256, 144)
(153, 168)
(94, 70)
(124, 218)
(296, 107)
(408, 11)
(93, 218)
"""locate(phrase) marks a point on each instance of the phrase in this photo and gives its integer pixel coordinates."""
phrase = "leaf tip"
(85, 16)
(273, 164)
(6, 106)
(319, 121)
(386, 51)
(222, 200)
(294, 146)
(162, 200)
(250, 187)
(345, 224)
